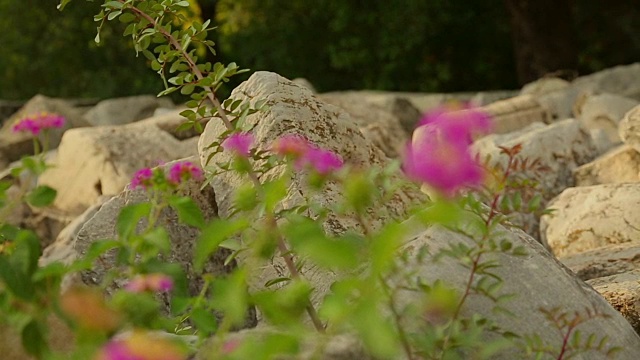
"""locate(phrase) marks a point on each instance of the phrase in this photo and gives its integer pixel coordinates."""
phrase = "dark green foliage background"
(409, 45)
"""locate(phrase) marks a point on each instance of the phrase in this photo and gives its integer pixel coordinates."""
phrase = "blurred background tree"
(408, 45)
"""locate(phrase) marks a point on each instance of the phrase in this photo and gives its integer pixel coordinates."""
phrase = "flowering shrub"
(36, 123)
(306, 155)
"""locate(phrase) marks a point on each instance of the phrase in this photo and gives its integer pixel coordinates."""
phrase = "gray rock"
(622, 291)
(604, 261)
(604, 111)
(538, 280)
(125, 110)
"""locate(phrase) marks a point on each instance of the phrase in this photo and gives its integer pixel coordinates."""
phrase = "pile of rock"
(101, 149)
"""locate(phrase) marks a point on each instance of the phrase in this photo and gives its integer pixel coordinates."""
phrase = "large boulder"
(293, 109)
(515, 113)
(604, 261)
(537, 280)
(101, 160)
(589, 217)
(126, 110)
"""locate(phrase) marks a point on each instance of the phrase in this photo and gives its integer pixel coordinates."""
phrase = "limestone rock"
(305, 83)
(125, 110)
(604, 111)
(515, 113)
(538, 280)
(15, 145)
(619, 165)
(544, 86)
(589, 217)
(604, 261)
(169, 121)
(629, 128)
(622, 291)
(559, 147)
(377, 124)
(100, 161)
(295, 110)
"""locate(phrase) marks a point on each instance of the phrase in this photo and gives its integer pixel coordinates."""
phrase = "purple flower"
(183, 171)
(38, 122)
(438, 153)
(240, 143)
(323, 161)
(150, 282)
(290, 145)
(142, 178)
(306, 154)
(141, 345)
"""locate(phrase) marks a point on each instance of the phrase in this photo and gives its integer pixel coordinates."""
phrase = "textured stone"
(629, 128)
(622, 291)
(544, 86)
(515, 113)
(377, 124)
(100, 161)
(589, 217)
(619, 165)
(604, 261)
(604, 111)
(295, 110)
(125, 110)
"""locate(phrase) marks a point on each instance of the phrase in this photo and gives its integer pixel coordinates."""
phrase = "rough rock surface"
(561, 146)
(604, 261)
(544, 86)
(295, 110)
(100, 161)
(589, 217)
(538, 280)
(169, 121)
(619, 165)
(379, 126)
(622, 291)
(125, 110)
(515, 113)
(629, 128)
(604, 111)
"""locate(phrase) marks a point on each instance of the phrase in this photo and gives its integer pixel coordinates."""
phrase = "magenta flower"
(38, 122)
(438, 153)
(240, 143)
(142, 178)
(141, 345)
(150, 282)
(290, 145)
(306, 154)
(323, 161)
(183, 171)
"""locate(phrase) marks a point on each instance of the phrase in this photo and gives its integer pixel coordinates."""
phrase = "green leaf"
(187, 89)
(205, 321)
(16, 281)
(26, 253)
(182, 3)
(159, 238)
(113, 4)
(41, 196)
(213, 235)
(231, 296)
(127, 17)
(188, 212)
(62, 4)
(129, 218)
(34, 340)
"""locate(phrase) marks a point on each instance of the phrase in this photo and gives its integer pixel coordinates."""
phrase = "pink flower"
(150, 282)
(306, 154)
(240, 143)
(323, 161)
(438, 153)
(142, 178)
(38, 122)
(141, 345)
(290, 145)
(183, 171)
